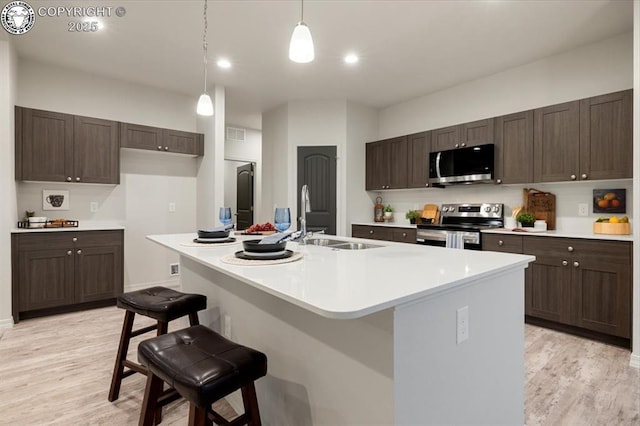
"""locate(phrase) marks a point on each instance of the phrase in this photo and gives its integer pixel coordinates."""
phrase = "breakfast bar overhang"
(372, 337)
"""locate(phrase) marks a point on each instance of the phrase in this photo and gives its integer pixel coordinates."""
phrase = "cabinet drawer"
(503, 243)
(69, 239)
(618, 252)
(404, 235)
(372, 232)
(99, 238)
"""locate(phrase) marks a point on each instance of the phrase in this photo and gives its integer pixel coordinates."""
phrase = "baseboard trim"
(174, 284)
(634, 361)
(6, 323)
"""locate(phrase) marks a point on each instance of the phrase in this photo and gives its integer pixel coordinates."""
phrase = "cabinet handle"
(576, 264)
(68, 178)
(500, 243)
(166, 148)
(573, 177)
(78, 179)
(583, 176)
(457, 145)
(570, 249)
(404, 234)
(463, 144)
(498, 180)
(69, 252)
(426, 184)
(74, 239)
(371, 232)
(565, 263)
(79, 252)
(159, 148)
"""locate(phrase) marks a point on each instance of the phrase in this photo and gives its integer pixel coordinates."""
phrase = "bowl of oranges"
(612, 225)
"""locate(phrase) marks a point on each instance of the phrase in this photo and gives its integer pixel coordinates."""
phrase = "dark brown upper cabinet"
(157, 139)
(58, 147)
(418, 147)
(386, 164)
(514, 148)
(606, 136)
(557, 142)
(463, 135)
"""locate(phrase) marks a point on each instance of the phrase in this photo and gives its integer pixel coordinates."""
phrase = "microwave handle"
(438, 164)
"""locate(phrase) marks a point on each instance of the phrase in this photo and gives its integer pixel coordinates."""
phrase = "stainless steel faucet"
(305, 207)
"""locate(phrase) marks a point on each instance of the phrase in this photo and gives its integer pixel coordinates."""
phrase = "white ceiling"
(407, 48)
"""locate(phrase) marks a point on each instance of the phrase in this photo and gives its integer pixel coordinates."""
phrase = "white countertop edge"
(101, 226)
(355, 313)
(590, 236)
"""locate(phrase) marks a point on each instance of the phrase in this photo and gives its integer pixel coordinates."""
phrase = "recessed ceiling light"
(224, 63)
(351, 58)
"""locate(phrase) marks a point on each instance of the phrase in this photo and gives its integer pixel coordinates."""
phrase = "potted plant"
(413, 216)
(526, 219)
(388, 213)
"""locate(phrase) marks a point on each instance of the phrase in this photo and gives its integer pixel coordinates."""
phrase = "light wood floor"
(57, 370)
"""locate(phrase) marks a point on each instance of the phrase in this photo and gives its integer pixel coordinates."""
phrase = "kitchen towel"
(275, 238)
(218, 228)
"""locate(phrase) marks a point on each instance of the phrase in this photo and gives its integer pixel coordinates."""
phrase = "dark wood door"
(606, 136)
(46, 278)
(384, 233)
(477, 133)
(44, 145)
(244, 196)
(556, 142)
(548, 289)
(404, 235)
(418, 148)
(602, 296)
(317, 169)
(502, 243)
(377, 166)
(183, 142)
(141, 137)
(96, 151)
(446, 138)
(98, 273)
(514, 148)
(397, 149)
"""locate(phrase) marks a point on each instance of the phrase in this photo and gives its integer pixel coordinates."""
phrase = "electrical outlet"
(583, 209)
(227, 326)
(462, 324)
(93, 206)
(174, 269)
(172, 207)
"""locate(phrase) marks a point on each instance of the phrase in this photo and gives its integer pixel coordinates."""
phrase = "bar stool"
(203, 367)
(159, 303)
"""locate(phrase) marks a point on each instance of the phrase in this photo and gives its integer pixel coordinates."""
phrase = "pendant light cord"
(301, 11)
(204, 46)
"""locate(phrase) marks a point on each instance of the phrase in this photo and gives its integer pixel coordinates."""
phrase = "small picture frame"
(609, 200)
(55, 199)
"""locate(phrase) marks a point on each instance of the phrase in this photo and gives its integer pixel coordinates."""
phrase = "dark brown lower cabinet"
(384, 233)
(65, 271)
(582, 285)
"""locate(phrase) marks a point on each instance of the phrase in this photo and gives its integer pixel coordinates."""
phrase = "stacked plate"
(253, 250)
(213, 237)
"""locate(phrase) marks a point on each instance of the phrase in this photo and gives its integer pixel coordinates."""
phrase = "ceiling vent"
(235, 134)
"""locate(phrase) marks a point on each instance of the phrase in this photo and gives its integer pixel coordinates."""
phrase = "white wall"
(149, 180)
(8, 210)
(275, 157)
(635, 357)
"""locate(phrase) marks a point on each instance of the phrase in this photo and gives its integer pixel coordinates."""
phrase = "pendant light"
(301, 46)
(205, 106)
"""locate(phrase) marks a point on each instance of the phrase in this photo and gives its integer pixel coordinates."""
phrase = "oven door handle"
(438, 164)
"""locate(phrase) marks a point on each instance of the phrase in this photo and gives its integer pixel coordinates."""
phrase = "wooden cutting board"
(430, 211)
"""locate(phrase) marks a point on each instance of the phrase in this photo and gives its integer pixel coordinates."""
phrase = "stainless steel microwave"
(474, 164)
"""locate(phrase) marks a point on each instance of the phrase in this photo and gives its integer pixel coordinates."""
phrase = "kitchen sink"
(340, 244)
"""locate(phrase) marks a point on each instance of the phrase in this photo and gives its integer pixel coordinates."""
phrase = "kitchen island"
(371, 336)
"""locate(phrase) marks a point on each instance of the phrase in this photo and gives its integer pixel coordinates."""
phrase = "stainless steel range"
(460, 225)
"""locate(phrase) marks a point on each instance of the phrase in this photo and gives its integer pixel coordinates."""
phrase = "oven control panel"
(492, 210)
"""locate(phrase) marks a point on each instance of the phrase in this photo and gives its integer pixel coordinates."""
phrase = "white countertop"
(82, 226)
(557, 233)
(345, 284)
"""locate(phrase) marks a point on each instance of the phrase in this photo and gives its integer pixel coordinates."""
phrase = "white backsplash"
(568, 196)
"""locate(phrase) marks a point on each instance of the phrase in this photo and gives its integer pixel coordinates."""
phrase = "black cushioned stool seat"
(159, 303)
(203, 367)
